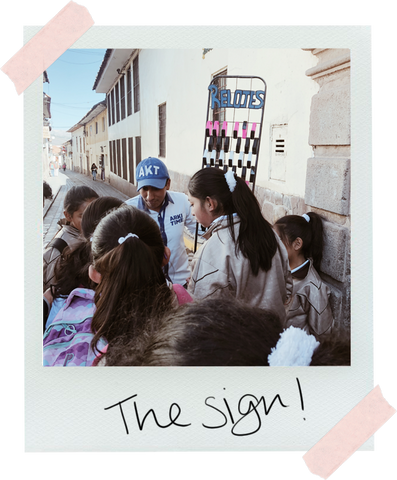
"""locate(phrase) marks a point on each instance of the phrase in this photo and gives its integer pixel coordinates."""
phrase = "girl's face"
(202, 211)
(75, 218)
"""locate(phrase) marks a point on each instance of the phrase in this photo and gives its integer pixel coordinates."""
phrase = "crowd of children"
(254, 296)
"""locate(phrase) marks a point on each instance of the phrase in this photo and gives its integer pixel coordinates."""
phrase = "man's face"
(154, 197)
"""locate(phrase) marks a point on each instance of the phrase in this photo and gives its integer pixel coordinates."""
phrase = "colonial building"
(90, 140)
(97, 137)
(78, 158)
(119, 79)
(158, 105)
(67, 153)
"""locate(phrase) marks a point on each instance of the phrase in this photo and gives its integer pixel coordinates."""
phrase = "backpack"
(66, 341)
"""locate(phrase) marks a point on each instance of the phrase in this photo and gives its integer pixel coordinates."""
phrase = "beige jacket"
(217, 269)
(51, 255)
(309, 306)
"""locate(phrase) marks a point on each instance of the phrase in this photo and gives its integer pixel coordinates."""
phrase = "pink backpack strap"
(182, 294)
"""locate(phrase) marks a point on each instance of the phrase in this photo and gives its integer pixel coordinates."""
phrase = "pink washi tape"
(45, 47)
(349, 434)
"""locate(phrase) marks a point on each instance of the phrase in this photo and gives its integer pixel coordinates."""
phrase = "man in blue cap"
(171, 210)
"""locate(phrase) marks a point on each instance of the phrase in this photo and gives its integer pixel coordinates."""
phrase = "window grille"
(117, 102)
(122, 95)
(129, 93)
(131, 158)
(137, 101)
(162, 123)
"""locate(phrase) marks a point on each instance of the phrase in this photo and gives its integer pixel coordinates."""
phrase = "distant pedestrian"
(94, 170)
(76, 201)
(64, 166)
(51, 166)
(103, 173)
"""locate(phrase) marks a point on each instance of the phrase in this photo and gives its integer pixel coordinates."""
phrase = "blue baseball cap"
(151, 172)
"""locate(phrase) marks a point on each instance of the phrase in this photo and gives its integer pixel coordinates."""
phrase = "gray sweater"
(217, 270)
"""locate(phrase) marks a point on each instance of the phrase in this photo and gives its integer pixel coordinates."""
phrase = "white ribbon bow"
(123, 239)
(231, 180)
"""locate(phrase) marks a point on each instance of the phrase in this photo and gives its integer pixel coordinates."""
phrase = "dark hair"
(211, 332)
(47, 190)
(332, 352)
(291, 227)
(72, 269)
(256, 239)
(76, 196)
(131, 273)
(214, 332)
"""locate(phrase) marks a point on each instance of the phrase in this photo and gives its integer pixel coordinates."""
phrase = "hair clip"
(123, 239)
(306, 217)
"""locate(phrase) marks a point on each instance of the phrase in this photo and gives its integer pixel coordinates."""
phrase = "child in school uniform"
(76, 201)
(309, 308)
(128, 254)
(71, 270)
(243, 257)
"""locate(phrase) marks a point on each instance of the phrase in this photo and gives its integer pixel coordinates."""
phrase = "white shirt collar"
(300, 266)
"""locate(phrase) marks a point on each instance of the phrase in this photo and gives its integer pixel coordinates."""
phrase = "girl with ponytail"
(243, 257)
(309, 307)
(127, 256)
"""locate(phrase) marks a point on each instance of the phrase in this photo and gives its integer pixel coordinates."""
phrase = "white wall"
(181, 78)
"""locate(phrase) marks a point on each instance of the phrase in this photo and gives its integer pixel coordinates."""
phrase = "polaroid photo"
(304, 93)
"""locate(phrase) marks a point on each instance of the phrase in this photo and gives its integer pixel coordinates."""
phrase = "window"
(278, 159)
(109, 109)
(117, 102)
(122, 95)
(118, 166)
(103, 124)
(90, 130)
(111, 155)
(131, 158)
(124, 157)
(162, 120)
(219, 114)
(137, 102)
(96, 128)
(112, 97)
(129, 93)
(138, 155)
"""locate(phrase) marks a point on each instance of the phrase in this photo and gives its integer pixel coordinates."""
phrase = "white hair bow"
(123, 239)
(231, 180)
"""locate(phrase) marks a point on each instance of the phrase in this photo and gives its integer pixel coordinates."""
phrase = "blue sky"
(72, 77)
